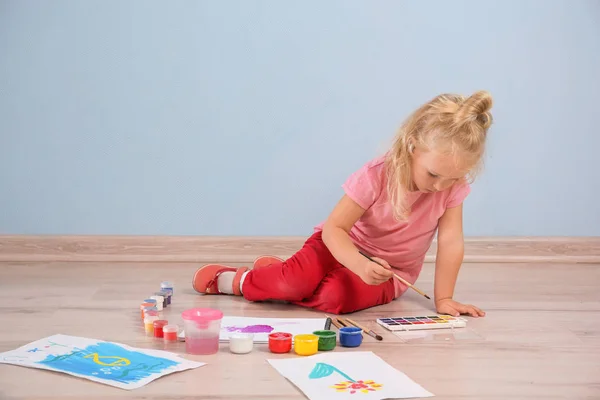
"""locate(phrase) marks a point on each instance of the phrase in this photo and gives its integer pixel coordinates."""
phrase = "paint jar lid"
(150, 319)
(160, 323)
(350, 330)
(202, 314)
(325, 334)
(150, 308)
(162, 293)
(152, 313)
(280, 336)
(144, 305)
(308, 337)
(170, 328)
(153, 301)
(158, 297)
(241, 336)
(166, 284)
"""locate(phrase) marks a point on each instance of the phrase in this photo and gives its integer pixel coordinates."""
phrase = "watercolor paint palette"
(413, 323)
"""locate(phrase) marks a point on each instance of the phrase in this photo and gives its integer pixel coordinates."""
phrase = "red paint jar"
(158, 327)
(280, 342)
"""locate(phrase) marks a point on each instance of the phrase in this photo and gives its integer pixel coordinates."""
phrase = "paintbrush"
(410, 285)
(341, 322)
(334, 322)
(369, 332)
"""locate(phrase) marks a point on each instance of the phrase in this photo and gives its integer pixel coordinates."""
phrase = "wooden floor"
(539, 340)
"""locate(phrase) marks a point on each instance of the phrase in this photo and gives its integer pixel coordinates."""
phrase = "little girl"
(391, 210)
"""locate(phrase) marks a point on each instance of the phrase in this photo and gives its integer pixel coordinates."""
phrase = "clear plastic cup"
(202, 327)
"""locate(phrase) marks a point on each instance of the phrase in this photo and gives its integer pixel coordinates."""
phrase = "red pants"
(314, 278)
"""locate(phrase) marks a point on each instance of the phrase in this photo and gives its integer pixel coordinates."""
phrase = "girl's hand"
(375, 274)
(454, 308)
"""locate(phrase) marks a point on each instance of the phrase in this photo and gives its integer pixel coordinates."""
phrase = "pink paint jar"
(170, 333)
(202, 327)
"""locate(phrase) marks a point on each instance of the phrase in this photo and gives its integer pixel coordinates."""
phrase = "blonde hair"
(456, 124)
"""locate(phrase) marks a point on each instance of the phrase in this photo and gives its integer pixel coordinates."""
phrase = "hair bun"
(476, 108)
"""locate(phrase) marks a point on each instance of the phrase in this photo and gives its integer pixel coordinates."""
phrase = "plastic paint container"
(150, 311)
(202, 327)
(144, 305)
(241, 343)
(170, 333)
(151, 301)
(160, 299)
(159, 302)
(158, 327)
(167, 285)
(306, 345)
(280, 342)
(327, 340)
(164, 295)
(151, 314)
(351, 336)
(149, 324)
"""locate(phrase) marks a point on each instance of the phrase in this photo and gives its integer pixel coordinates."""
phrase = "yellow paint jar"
(306, 345)
(149, 324)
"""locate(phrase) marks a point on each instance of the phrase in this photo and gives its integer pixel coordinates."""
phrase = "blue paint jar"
(166, 285)
(350, 336)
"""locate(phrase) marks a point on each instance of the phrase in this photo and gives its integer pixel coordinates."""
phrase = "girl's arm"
(336, 238)
(449, 258)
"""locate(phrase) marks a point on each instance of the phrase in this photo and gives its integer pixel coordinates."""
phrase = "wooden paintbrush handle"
(409, 285)
(357, 325)
(335, 323)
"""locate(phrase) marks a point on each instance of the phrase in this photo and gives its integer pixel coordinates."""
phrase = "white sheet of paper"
(110, 363)
(346, 376)
(262, 327)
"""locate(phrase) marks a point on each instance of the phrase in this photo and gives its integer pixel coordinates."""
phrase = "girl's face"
(433, 171)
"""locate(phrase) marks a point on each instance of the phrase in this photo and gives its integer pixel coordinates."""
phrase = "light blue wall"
(208, 117)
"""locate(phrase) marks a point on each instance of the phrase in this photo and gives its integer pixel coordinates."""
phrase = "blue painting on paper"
(109, 361)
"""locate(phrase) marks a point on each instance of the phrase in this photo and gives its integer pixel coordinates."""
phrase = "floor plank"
(540, 339)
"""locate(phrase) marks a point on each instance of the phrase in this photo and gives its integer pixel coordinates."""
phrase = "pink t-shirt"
(403, 244)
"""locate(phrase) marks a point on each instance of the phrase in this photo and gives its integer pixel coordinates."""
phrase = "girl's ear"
(411, 148)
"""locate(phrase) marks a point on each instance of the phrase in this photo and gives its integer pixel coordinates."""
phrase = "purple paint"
(250, 329)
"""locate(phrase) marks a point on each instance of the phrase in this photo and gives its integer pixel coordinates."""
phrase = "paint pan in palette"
(413, 323)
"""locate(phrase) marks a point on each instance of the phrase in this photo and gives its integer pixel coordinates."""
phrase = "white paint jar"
(159, 302)
(241, 343)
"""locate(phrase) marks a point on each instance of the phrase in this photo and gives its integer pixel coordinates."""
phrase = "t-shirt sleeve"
(458, 194)
(364, 186)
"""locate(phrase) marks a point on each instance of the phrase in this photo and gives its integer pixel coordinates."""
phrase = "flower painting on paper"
(322, 370)
(356, 375)
(357, 387)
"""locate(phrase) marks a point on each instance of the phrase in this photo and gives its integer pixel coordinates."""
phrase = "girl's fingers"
(381, 272)
(382, 262)
(451, 311)
(473, 311)
(479, 311)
